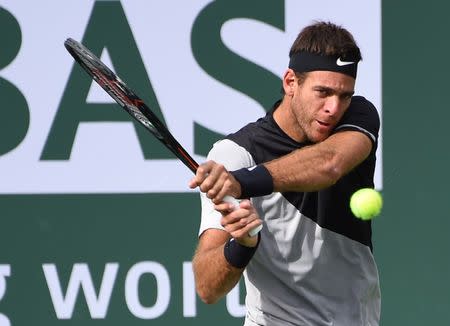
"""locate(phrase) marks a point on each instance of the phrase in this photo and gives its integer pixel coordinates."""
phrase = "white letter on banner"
(162, 290)
(5, 270)
(234, 308)
(80, 276)
(189, 297)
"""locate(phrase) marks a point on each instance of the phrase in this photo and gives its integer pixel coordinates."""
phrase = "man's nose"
(332, 105)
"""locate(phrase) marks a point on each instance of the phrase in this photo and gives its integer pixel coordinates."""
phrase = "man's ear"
(289, 81)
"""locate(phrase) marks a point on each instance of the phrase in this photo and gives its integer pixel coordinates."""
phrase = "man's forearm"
(321, 165)
(308, 169)
(214, 277)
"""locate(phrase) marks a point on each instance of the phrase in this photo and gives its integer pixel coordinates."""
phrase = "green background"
(411, 236)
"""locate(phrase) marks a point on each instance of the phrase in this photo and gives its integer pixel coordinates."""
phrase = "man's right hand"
(215, 181)
(239, 221)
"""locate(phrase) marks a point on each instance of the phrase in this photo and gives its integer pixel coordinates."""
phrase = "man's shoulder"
(250, 133)
(361, 115)
(361, 104)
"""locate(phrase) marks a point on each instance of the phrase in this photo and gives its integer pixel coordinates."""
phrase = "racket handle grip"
(235, 202)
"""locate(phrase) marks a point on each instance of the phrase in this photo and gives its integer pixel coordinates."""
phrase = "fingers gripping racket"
(129, 101)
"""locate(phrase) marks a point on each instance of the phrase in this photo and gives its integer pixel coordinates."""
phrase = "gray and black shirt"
(314, 264)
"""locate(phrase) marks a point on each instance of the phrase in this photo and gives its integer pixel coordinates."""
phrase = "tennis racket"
(133, 104)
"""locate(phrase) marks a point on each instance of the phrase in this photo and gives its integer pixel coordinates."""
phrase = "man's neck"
(285, 119)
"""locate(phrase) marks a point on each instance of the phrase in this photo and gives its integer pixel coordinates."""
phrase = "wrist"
(248, 241)
(255, 182)
(238, 255)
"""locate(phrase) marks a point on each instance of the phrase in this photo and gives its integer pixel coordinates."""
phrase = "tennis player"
(312, 263)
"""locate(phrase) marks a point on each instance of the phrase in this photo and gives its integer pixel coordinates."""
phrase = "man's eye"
(347, 97)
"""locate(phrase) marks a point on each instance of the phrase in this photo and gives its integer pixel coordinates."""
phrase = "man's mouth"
(324, 124)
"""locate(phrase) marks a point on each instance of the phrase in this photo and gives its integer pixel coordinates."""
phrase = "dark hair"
(326, 38)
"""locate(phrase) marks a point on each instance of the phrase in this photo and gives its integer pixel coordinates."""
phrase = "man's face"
(319, 102)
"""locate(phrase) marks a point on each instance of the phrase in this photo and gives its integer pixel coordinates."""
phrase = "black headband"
(306, 61)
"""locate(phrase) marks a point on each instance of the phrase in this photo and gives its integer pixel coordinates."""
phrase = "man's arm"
(321, 165)
(214, 275)
(310, 168)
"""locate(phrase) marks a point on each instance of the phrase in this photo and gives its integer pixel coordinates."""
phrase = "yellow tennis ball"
(366, 203)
